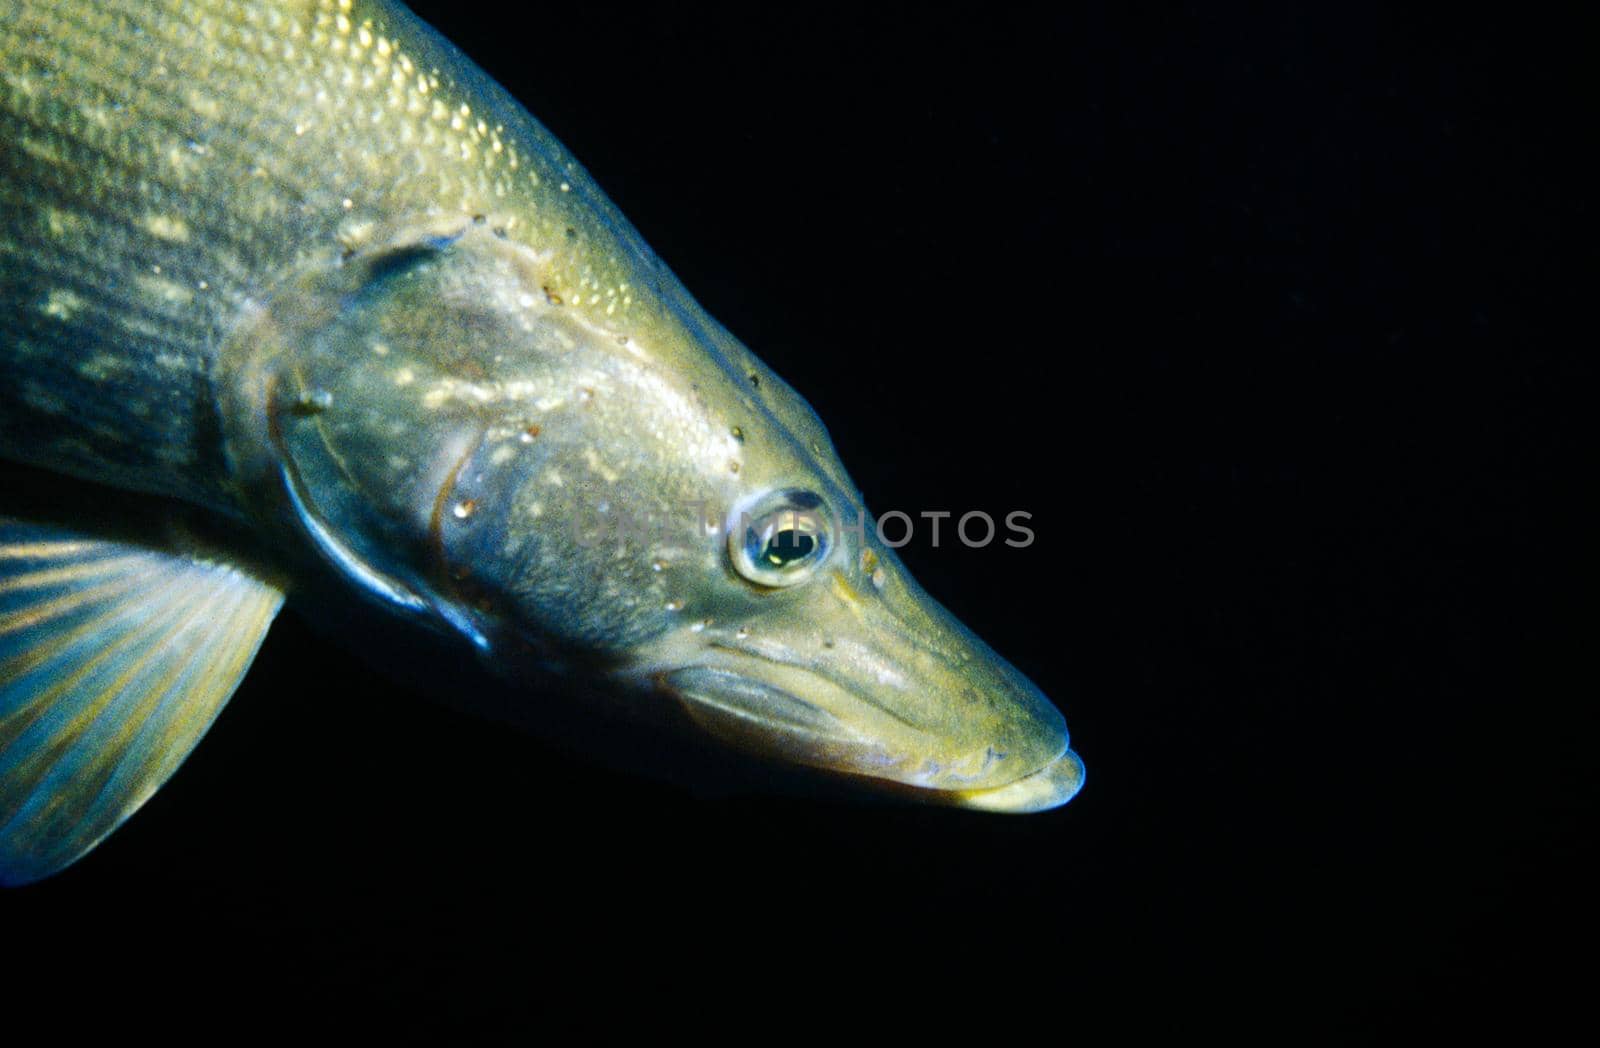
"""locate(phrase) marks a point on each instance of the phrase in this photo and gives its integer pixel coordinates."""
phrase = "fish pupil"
(787, 547)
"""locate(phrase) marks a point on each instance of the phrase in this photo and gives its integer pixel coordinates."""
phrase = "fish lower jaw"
(1050, 787)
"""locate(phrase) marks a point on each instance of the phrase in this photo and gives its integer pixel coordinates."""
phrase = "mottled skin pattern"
(299, 263)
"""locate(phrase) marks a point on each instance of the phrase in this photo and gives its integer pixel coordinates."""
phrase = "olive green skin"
(300, 263)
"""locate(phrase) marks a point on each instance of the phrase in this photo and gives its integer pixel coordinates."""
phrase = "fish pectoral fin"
(115, 657)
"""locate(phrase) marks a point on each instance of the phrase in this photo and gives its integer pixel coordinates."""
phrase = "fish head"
(683, 511)
(644, 501)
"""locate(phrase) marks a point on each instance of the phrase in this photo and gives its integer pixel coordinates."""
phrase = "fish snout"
(896, 692)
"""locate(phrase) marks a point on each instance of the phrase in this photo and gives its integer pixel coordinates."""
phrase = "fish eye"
(780, 540)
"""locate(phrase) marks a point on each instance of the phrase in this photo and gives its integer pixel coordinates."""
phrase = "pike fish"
(291, 287)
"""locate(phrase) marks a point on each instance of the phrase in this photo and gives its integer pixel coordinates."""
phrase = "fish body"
(302, 277)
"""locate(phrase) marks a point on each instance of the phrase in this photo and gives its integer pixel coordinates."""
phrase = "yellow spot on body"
(22, 84)
(41, 151)
(60, 223)
(61, 304)
(167, 227)
(100, 367)
(100, 116)
(592, 458)
(182, 161)
(166, 290)
(404, 377)
(204, 104)
(353, 234)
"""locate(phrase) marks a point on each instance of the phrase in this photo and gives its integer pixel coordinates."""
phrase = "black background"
(1260, 312)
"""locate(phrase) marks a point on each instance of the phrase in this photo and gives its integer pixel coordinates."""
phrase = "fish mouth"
(802, 716)
(1050, 787)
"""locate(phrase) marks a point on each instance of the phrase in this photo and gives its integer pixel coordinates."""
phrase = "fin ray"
(83, 751)
(115, 657)
(68, 714)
